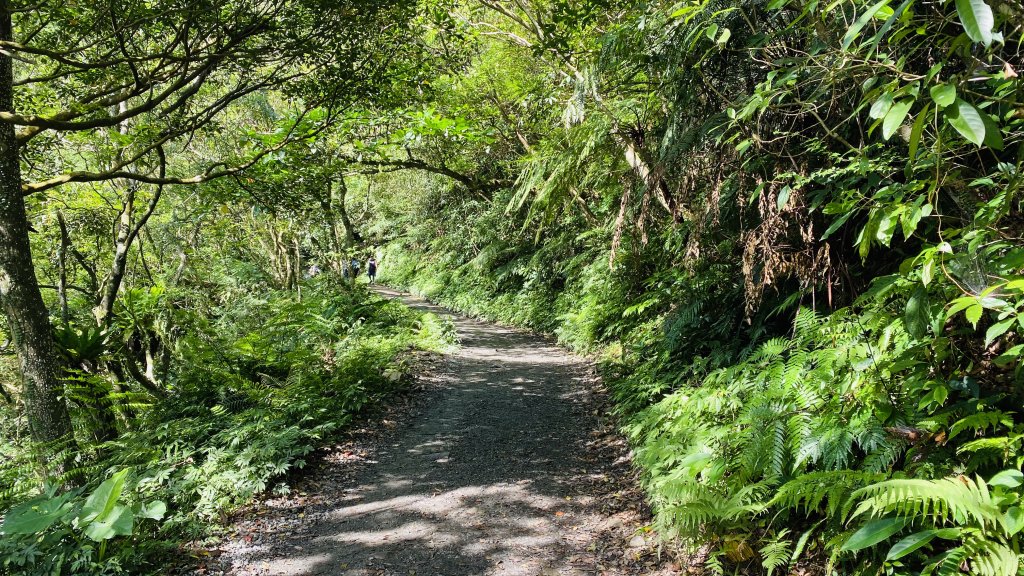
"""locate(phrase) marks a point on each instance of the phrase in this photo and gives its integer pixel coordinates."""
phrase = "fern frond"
(828, 492)
(960, 499)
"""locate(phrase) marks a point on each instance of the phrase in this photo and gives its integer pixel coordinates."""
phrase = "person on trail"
(371, 269)
(313, 270)
(354, 267)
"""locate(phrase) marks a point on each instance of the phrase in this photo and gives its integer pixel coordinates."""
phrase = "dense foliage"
(167, 351)
(790, 230)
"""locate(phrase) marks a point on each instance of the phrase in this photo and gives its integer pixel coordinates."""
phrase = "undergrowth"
(263, 381)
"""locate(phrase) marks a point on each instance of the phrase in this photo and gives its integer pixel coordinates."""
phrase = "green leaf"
(35, 515)
(909, 544)
(916, 131)
(927, 271)
(103, 500)
(943, 94)
(854, 31)
(966, 119)
(881, 106)
(887, 227)
(916, 316)
(895, 116)
(783, 197)
(711, 31)
(998, 329)
(910, 219)
(1007, 478)
(836, 224)
(973, 314)
(724, 37)
(993, 136)
(1013, 520)
(961, 303)
(1009, 356)
(872, 533)
(118, 522)
(976, 16)
(155, 510)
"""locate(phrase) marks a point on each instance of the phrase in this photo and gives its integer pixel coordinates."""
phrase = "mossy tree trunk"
(27, 315)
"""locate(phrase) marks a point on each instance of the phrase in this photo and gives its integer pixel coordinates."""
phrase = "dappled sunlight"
(478, 525)
(484, 482)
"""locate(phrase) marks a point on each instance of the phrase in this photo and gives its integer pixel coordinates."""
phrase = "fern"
(828, 491)
(776, 553)
(960, 499)
(985, 517)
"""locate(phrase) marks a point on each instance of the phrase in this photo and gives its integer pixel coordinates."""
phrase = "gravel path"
(503, 465)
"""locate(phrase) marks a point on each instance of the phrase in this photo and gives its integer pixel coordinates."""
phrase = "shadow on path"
(490, 478)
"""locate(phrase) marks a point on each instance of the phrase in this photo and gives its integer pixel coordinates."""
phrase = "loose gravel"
(501, 462)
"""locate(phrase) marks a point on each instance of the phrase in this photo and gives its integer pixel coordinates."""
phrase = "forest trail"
(505, 467)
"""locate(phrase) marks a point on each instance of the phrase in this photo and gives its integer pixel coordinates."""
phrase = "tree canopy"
(791, 231)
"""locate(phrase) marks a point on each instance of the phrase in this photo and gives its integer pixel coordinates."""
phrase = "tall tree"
(132, 79)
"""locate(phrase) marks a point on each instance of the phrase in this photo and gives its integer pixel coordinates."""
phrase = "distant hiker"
(313, 270)
(354, 267)
(371, 269)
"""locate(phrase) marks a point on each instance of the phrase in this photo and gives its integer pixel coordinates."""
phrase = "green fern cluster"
(744, 438)
(952, 525)
(260, 387)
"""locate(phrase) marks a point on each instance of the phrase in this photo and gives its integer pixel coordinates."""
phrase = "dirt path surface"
(503, 465)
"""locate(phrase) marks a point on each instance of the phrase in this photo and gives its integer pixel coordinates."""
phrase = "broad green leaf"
(895, 116)
(1013, 520)
(35, 515)
(976, 16)
(783, 197)
(966, 119)
(118, 522)
(910, 219)
(873, 532)
(998, 329)
(961, 303)
(1011, 355)
(916, 131)
(943, 94)
(724, 36)
(993, 136)
(1007, 478)
(909, 544)
(916, 315)
(103, 499)
(154, 510)
(711, 31)
(836, 224)
(927, 271)
(887, 227)
(881, 106)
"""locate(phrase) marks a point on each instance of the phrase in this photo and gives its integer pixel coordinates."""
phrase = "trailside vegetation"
(169, 348)
(790, 230)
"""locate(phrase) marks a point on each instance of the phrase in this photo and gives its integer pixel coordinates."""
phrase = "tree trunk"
(122, 243)
(334, 239)
(62, 268)
(27, 316)
(351, 235)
